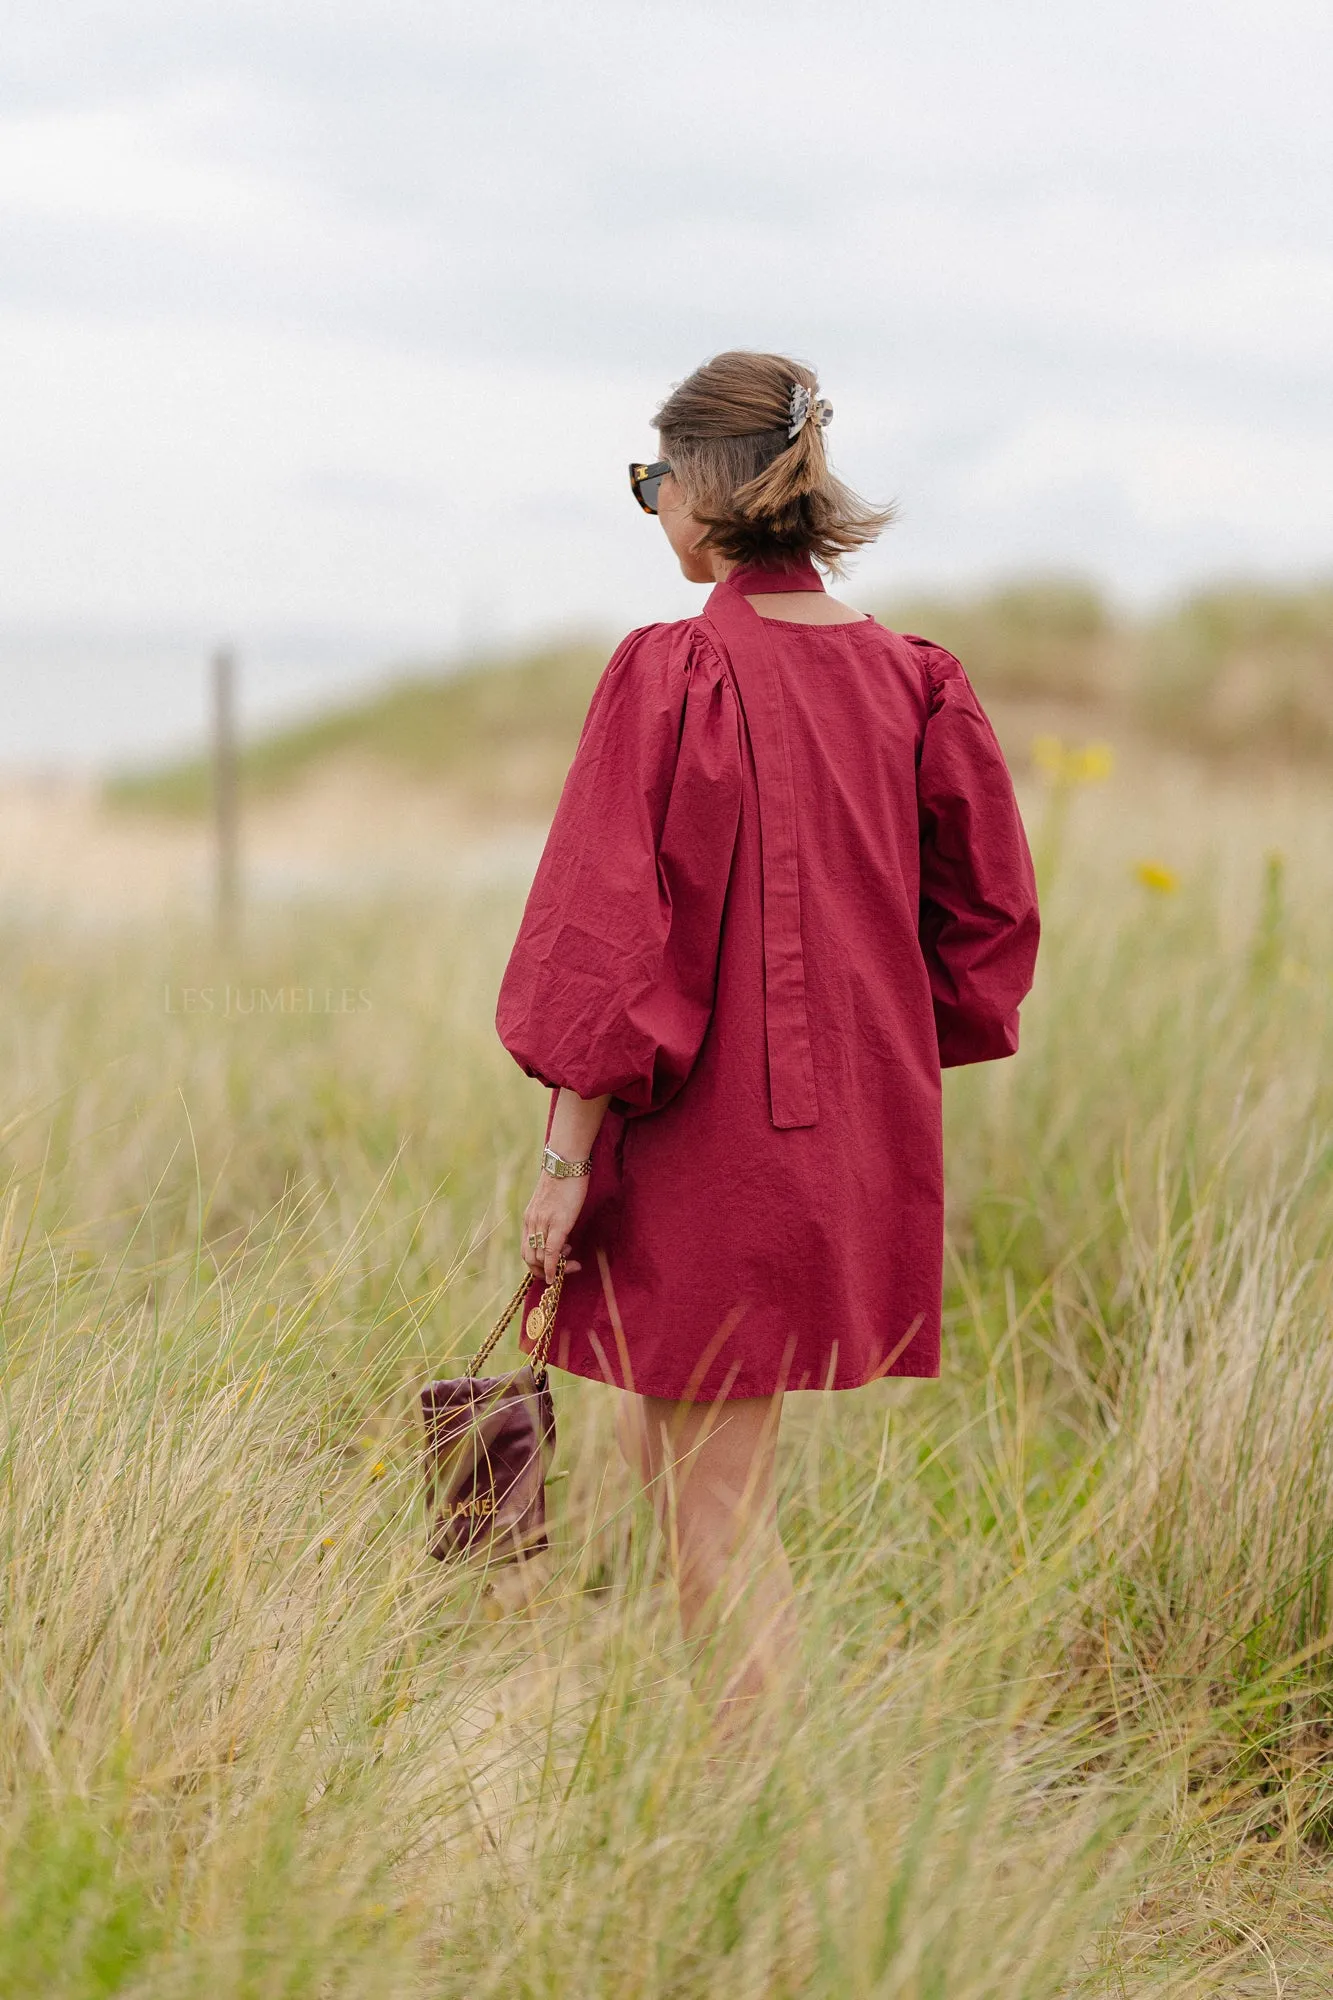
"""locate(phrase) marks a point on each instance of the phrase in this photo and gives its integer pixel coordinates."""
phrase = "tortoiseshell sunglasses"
(646, 483)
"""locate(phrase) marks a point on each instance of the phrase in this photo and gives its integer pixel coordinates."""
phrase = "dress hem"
(742, 1389)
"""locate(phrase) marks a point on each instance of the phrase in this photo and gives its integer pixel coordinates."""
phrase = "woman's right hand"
(549, 1217)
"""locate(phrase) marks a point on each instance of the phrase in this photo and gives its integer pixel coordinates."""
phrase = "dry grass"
(1067, 1729)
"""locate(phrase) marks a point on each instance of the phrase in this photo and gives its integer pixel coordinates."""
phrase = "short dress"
(787, 882)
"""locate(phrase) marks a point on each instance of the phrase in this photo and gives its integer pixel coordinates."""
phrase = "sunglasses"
(646, 483)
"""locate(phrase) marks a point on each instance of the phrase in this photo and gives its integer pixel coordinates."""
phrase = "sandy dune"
(350, 829)
(354, 828)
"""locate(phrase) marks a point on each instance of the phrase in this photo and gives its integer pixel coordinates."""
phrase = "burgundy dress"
(785, 883)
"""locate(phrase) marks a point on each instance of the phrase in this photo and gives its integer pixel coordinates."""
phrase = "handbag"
(489, 1442)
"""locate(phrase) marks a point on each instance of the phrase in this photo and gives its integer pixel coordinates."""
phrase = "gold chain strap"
(540, 1326)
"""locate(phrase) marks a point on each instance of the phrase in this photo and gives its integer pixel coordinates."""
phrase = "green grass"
(1240, 673)
(1045, 637)
(500, 732)
(1066, 1612)
(1235, 670)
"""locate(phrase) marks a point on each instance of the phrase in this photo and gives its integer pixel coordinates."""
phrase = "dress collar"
(787, 573)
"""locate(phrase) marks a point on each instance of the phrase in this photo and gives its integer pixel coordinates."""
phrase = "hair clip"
(804, 405)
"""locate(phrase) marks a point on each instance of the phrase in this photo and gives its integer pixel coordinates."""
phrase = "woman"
(786, 882)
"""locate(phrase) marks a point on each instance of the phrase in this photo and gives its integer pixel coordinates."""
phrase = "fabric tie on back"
(748, 649)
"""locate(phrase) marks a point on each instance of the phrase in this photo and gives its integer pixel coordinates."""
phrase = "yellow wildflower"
(1155, 875)
(1095, 762)
(1066, 764)
(378, 1469)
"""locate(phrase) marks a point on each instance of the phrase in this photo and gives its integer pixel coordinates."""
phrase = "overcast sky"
(330, 326)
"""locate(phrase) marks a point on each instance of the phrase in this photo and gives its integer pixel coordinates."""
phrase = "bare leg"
(708, 1468)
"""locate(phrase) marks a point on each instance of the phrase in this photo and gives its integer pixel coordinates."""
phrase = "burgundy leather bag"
(489, 1442)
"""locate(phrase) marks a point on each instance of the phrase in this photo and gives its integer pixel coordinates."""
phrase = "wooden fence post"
(226, 800)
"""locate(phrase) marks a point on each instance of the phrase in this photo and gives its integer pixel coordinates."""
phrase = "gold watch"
(563, 1170)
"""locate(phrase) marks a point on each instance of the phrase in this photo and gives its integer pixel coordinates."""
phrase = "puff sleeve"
(610, 984)
(978, 923)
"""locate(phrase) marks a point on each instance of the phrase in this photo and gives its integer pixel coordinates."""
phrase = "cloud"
(135, 165)
(1172, 473)
(348, 316)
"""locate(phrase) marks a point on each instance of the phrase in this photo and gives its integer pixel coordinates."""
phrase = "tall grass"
(1066, 1727)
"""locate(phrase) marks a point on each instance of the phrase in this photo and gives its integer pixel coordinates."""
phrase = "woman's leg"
(709, 1470)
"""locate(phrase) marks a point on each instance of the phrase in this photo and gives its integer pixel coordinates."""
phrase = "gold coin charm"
(541, 1319)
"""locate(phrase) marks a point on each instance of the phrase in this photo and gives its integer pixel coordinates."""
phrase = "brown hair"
(758, 495)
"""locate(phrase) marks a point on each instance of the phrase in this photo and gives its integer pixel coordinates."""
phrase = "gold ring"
(536, 1242)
